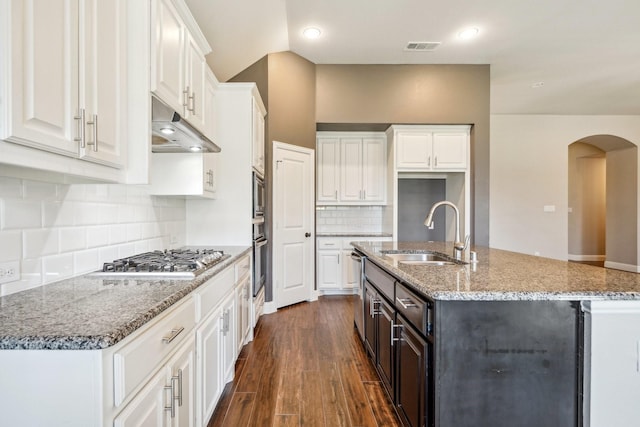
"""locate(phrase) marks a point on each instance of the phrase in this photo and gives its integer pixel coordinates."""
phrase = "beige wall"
(529, 161)
(416, 94)
(622, 205)
(587, 197)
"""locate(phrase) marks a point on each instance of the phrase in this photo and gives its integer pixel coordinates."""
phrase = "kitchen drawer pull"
(406, 302)
(393, 338)
(172, 406)
(172, 335)
(179, 379)
(185, 98)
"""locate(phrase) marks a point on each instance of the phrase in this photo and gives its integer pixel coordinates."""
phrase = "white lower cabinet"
(167, 400)
(337, 273)
(168, 373)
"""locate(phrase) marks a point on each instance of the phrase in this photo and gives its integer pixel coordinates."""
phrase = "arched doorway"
(603, 196)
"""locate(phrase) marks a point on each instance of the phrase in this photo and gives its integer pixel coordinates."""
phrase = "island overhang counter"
(512, 335)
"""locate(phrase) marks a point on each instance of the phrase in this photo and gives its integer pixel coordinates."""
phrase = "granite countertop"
(504, 275)
(352, 234)
(85, 313)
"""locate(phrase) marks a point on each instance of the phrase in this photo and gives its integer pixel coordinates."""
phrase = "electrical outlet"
(9, 271)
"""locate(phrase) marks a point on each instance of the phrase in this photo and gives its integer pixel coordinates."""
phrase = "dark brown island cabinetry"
(471, 362)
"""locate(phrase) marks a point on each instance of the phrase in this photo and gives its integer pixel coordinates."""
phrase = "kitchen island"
(511, 337)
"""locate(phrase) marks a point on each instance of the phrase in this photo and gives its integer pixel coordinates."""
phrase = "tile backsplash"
(57, 231)
(347, 219)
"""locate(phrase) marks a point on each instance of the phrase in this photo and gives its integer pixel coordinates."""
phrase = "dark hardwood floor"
(305, 367)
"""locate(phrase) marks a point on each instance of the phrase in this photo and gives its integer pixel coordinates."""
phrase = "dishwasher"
(358, 303)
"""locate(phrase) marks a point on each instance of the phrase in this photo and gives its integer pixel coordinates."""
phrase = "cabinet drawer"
(139, 359)
(383, 281)
(329, 244)
(413, 308)
(209, 295)
(242, 267)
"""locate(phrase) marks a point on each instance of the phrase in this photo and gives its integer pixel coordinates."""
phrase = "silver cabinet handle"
(185, 98)
(81, 130)
(171, 408)
(393, 338)
(192, 100)
(336, 194)
(406, 302)
(429, 161)
(435, 161)
(94, 123)
(172, 335)
(372, 307)
(179, 379)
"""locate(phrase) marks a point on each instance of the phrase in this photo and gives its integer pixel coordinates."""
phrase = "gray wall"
(416, 94)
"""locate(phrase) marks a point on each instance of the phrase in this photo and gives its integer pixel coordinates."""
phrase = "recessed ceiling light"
(468, 33)
(537, 85)
(311, 32)
(167, 130)
(195, 148)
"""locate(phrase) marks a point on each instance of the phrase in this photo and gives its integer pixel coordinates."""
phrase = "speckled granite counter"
(85, 313)
(503, 275)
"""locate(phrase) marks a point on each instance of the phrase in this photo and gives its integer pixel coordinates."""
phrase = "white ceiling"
(587, 52)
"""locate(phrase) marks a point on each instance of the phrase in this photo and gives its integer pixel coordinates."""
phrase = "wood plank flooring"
(305, 367)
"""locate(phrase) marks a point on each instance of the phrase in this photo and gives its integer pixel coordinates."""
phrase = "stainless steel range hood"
(173, 134)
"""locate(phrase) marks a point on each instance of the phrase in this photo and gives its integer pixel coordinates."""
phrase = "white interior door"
(293, 224)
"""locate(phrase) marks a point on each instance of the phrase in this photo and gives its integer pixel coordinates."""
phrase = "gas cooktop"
(170, 263)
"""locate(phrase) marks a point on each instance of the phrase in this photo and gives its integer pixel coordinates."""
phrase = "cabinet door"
(413, 150)
(450, 151)
(370, 315)
(103, 62)
(209, 370)
(412, 369)
(44, 76)
(243, 307)
(328, 171)
(329, 270)
(167, 54)
(148, 407)
(374, 176)
(194, 84)
(351, 170)
(181, 371)
(258, 138)
(210, 85)
(350, 271)
(228, 319)
(385, 345)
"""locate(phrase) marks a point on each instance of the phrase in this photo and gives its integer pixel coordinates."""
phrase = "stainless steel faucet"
(458, 245)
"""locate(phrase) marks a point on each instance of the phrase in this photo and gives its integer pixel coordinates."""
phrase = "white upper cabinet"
(178, 66)
(431, 148)
(351, 168)
(66, 90)
(184, 174)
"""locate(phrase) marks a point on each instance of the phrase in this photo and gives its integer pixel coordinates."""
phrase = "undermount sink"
(419, 258)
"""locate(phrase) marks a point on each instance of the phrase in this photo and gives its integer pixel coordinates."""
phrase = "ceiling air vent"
(421, 46)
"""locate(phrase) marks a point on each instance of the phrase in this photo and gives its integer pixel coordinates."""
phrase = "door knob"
(307, 234)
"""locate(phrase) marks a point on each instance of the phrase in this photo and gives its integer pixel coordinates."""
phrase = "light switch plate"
(549, 208)
(9, 271)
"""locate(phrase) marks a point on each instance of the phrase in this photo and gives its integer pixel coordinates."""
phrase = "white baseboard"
(574, 257)
(270, 307)
(624, 267)
(338, 291)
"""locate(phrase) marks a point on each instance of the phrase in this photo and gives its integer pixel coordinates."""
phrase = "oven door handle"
(260, 243)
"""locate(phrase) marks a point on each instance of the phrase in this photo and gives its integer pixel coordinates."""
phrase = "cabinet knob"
(307, 234)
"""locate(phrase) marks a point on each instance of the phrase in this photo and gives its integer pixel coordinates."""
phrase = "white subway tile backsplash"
(97, 236)
(57, 231)
(36, 243)
(117, 234)
(57, 214)
(40, 190)
(19, 214)
(57, 267)
(72, 239)
(345, 219)
(10, 245)
(85, 261)
(10, 187)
